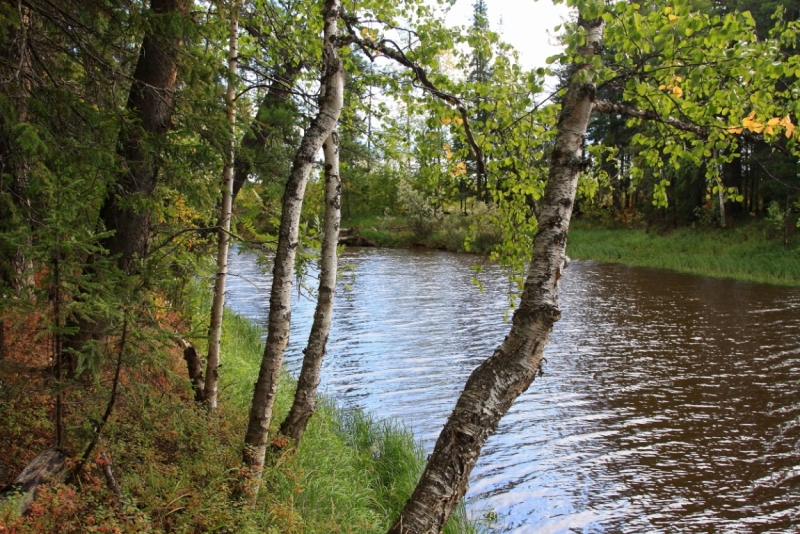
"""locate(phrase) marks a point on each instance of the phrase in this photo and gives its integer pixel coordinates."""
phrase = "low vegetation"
(176, 465)
(753, 252)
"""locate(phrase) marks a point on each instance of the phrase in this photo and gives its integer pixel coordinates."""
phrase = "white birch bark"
(223, 234)
(321, 126)
(498, 381)
(305, 397)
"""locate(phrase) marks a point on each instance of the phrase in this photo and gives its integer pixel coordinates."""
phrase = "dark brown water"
(669, 402)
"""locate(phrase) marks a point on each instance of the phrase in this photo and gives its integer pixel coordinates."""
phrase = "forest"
(140, 141)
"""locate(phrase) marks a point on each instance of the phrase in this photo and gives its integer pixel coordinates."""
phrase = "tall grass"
(746, 252)
(354, 473)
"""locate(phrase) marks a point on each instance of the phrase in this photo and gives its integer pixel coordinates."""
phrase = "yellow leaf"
(773, 121)
(662, 87)
(667, 10)
(769, 130)
(364, 32)
(789, 130)
(672, 18)
(677, 91)
(678, 79)
(735, 130)
(445, 120)
(458, 120)
(752, 115)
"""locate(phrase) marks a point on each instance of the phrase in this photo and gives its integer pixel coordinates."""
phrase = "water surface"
(669, 402)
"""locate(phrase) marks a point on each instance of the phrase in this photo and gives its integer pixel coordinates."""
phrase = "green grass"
(354, 472)
(746, 252)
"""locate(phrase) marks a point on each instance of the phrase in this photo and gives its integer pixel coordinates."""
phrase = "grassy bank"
(176, 465)
(749, 252)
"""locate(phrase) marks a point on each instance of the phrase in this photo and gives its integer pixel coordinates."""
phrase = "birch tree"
(500, 379)
(223, 233)
(707, 92)
(305, 397)
(320, 128)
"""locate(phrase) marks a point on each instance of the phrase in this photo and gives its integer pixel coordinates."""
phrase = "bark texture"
(149, 108)
(498, 381)
(305, 397)
(223, 234)
(16, 74)
(149, 111)
(321, 126)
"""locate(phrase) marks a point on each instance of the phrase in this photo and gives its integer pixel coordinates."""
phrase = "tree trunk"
(305, 397)
(149, 109)
(223, 234)
(13, 161)
(498, 381)
(280, 296)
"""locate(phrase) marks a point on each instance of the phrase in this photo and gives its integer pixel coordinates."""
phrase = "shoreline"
(746, 251)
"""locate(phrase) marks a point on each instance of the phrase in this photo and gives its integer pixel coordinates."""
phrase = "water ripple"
(669, 403)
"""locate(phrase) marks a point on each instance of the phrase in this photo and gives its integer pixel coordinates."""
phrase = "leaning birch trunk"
(498, 381)
(305, 397)
(223, 236)
(279, 317)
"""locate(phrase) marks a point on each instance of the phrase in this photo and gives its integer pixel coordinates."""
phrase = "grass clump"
(177, 465)
(745, 252)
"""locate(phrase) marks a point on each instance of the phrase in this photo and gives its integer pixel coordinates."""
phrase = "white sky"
(526, 24)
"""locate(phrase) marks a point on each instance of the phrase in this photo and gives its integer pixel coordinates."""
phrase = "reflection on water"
(669, 402)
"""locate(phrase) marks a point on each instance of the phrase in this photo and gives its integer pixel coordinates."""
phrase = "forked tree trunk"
(498, 381)
(320, 128)
(305, 397)
(223, 234)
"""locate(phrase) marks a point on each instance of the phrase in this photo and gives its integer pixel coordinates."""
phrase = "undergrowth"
(176, 465)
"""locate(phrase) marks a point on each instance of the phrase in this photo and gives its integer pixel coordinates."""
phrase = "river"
(668, 403)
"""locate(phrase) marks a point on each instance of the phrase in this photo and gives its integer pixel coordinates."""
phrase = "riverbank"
(748, 251)
(175, 465)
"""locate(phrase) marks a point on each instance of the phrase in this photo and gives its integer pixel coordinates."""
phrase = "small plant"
(419, 210)
(776, 216)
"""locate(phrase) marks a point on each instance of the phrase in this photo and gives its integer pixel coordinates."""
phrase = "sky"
(526, 24)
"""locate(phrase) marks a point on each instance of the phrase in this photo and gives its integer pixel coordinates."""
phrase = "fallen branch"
(47, 466)
(109, 474)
